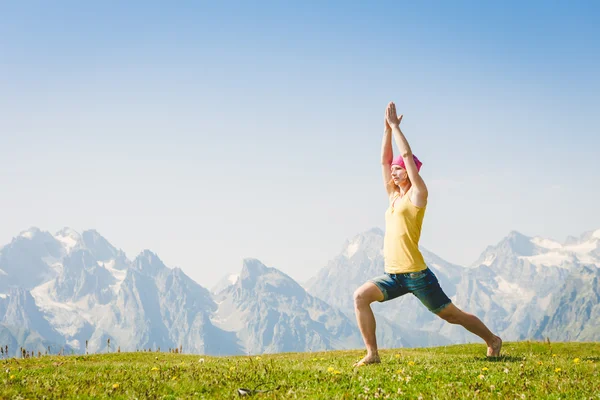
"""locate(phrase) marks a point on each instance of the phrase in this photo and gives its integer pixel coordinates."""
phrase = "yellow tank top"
(403, 223)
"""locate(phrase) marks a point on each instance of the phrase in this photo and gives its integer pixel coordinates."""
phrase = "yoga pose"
(405, 268)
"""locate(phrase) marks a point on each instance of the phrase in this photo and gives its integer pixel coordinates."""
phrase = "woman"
(405, 269)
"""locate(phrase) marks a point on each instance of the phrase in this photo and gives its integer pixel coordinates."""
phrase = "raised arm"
(420, 190)
(386, 158)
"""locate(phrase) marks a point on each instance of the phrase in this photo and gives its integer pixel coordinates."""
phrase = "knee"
(360, 298)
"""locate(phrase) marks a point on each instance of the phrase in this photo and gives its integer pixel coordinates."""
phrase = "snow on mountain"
(64, 289)
(26, 259)
(18, 308)
(269, 312)
(360, 257)
(570, 254)
(546, 243)
(67, 318)
(522, 275)
(225, 282)
(562, 260)
(117, 274)
(509, 287)
(336, 283)
(146, 306)
(545, 252)
(30, 233)
(68, 238)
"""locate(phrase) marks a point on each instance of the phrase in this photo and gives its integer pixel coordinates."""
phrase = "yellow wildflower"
(12, 377)
(484, 368)
(336, 372)
(330, 369)
(481, 376)
(553, 355)
(540, 363)
(258, 358)
(557, 370)
(174, 378)
(400, 371)
(576, 361)
(116, 386)
(155, 369)
(411, 363)
(397, 356)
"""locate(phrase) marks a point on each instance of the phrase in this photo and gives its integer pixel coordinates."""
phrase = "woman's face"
(399, 174)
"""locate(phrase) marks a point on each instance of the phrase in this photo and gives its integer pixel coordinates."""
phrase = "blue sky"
(213, 131)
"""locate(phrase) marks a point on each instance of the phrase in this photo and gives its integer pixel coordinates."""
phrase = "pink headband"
(400, 161)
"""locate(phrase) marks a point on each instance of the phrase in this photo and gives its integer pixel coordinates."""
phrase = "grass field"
(526, 370)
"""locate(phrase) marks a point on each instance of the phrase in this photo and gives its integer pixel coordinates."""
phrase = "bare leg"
(454, 315)
(363, 297)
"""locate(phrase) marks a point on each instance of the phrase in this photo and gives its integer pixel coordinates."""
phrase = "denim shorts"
(423, 284)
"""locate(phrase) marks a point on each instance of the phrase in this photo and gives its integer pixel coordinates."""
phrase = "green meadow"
(527, 370)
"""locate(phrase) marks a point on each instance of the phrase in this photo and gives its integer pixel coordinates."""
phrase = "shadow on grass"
(501, 359)
(595, 359)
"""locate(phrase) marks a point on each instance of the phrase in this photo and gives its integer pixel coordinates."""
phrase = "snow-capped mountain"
(65, 289)
(510, 286)
(30, 259)
(271, 313)
(361, 258)
(225, 282)
(23, 324)
(512, 283)
(81, 288)
(84, 289)
(574, 309)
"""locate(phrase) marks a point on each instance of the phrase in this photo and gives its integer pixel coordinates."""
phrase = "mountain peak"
(252, 267)
(98, 245)
(68, 237)
(590, 236)
(519, 244)
(149, 263)
(225, 282)
(30, 233)
(256, 278)
(375, 231)
(514, 244)
(369, 242)
(517, 235)
(92, 233)
(66, 231)
(148, 254)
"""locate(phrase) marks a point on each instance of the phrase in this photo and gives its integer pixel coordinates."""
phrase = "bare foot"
(494, 349)
(368, 359)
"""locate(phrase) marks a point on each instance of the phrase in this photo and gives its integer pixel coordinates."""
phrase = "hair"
(396, 188)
